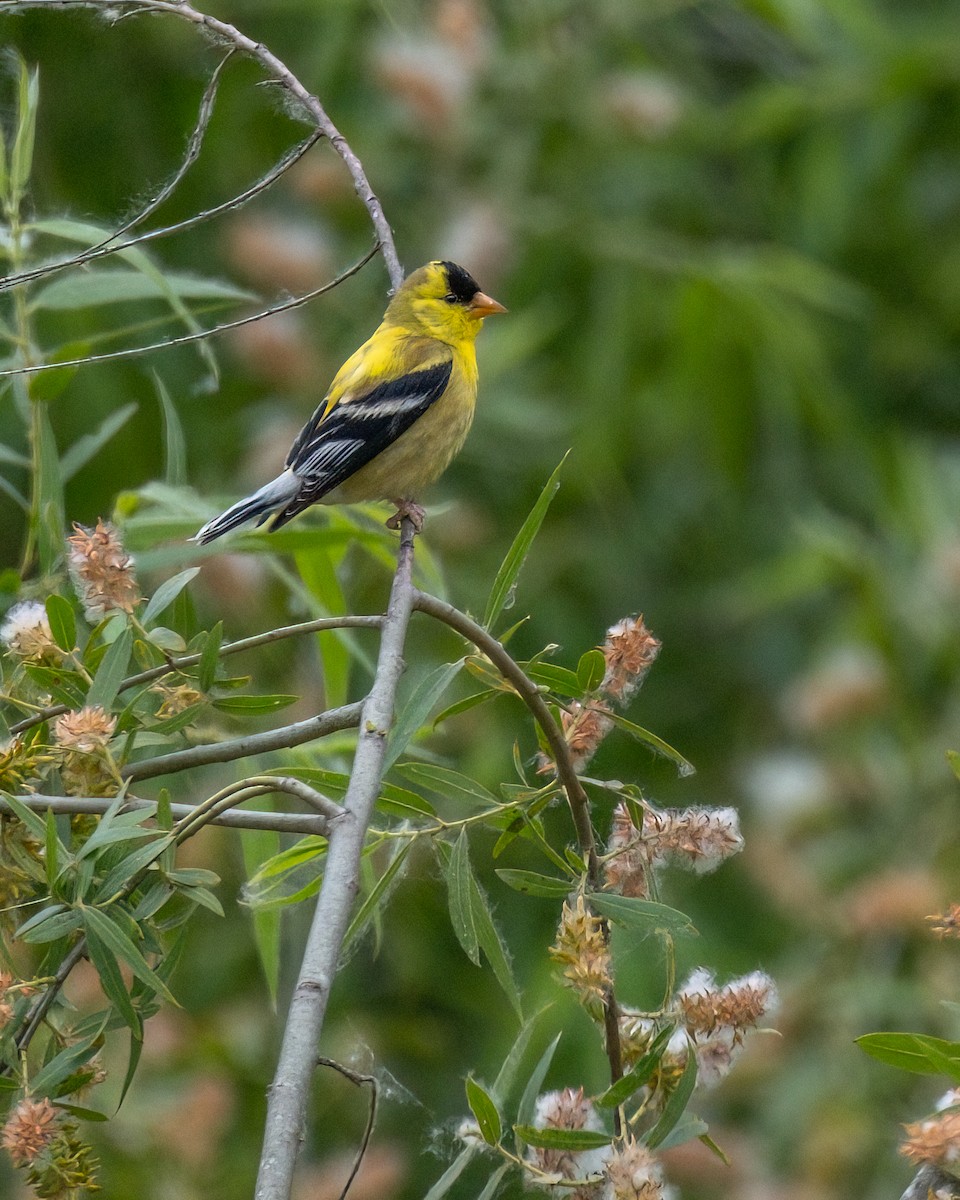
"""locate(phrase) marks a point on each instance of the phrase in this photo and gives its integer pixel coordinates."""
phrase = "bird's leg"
(407, 508)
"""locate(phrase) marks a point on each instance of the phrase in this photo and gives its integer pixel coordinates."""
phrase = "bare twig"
(187, 338)
(288, 1094)
(359, 1080)
(190, 660)
(346, 717)
(277, 71)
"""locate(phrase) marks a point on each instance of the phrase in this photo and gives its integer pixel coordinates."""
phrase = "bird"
(395, 415)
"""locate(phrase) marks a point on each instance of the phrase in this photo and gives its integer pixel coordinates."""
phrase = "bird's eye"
(450, 298)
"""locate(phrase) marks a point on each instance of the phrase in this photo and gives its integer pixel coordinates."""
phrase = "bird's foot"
(407, 508)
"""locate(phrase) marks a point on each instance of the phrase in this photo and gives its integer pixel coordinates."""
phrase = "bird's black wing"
(332, 447)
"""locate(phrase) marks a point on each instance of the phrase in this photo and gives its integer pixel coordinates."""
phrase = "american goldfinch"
(397, 412)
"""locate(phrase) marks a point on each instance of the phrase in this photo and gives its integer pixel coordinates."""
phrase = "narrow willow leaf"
(530, 883)
(117, 942)
(48, 1080)
(111, 981)
(166, 593)
(684, 767)
(528, 1101)
(459, 894)
(174, 443)
(626, 1085)
(686, 1129)
(646, 916)
(86, 447)
(562, 1139)
(675, 1105)
(506, 577)
(446, 782)
(210, 658)
(111, 672)
(491, 1188)
(484, 1111)
(503, 1084)
(50, 526)
(557, 679)
(493, 946)
(373, 901)
(33, 821)
(253, 706)
(63, 624)
(21, 156)
(953, 758)
(416, 709)
(451, 1174)
(318, 569)
(918, 1053)
(464, 705)
(95, 286)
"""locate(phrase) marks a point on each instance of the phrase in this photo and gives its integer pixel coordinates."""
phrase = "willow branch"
(190, 660)
(577, 798)
(279, 822)
(286, 1104)
(279, 73)
(337, 719)
(356, 1078)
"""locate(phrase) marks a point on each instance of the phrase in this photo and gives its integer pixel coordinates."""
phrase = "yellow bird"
(397, 412)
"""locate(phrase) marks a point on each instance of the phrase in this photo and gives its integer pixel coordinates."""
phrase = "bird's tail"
(276, 494)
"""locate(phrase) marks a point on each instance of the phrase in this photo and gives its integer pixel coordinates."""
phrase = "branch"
(280, 822)
(191, 660)
(347, 717)
(286, 1103)
(282, 75)
(577, 798)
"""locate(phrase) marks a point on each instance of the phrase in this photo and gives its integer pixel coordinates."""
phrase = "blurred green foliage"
(728, 237)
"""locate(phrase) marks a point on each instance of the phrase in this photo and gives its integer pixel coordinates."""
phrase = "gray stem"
(287, 1098)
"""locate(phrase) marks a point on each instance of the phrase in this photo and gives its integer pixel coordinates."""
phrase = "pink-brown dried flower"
(946, 924)
(738, 1005)
(632, 1173)
(568, 1109)
(30, 1128)
(935, 1140)
(699, 838)
(102, 571)
(82, 739)
(630, 650)
(26, 634)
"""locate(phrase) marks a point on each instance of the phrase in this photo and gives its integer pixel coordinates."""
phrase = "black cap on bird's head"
(463, 286)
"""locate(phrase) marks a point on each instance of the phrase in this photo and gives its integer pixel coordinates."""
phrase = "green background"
(728, 237)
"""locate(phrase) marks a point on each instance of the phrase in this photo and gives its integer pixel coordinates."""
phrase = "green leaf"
(913, 1052)
(686, 1129)
(557, 679)
(119, 944)
(33, 821)
(210, 658)
(503, 1084)
(50, 923)
(506, 578)
(50, 523)
(21, 157)
(619, 1092)
(446, 782)
(562, 1139)
(656, 744)
(646, 916)
(318, 570)
(96, 286)
(953, 758)
(129, 866)
(253, 706)
(459, 894)
(675, 1105)
(67, 687)
(451, 1174)
(464, 705)
(166, 593)
(86, 447)
(484, 1111)
(62, 1066)
(493, 946)
(528, 1100)
(415, 710)
(47, 385)
(111, 672)
(174, 443)
(63, 624)
(591, 669)
(375, 897)
(530, 883)
(111, 981)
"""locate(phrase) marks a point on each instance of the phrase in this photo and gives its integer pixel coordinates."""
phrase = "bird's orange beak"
(483, 305)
